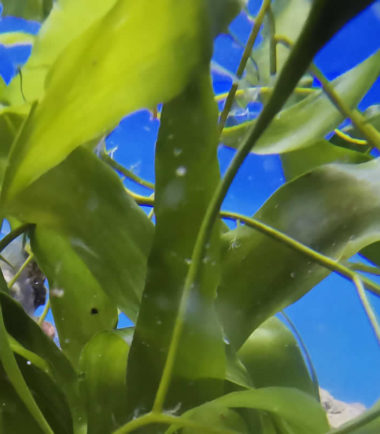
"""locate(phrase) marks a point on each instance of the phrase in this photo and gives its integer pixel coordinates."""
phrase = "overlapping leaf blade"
(103, 365)
(261, 276)
(84, 201)
(80, 306)
(311, 119)
(186, 175)
(28, 9)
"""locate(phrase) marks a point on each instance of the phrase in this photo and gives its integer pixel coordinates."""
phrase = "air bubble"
(181, 171)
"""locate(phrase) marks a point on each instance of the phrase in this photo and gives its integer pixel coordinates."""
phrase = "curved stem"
(124, 171)
(325, 261)
(153, 418)
(14, 234)
(243, 63)
(20, 270)
(367, 306)
(41, 319)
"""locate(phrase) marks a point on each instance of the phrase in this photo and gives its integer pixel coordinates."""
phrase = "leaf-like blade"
(311, 119)
(14, 374)
(261, 276)
(103, 364)
(187, 173)
(297, 409)
(80, 306)
(273, 358)
(25, 330)
(298, 162)
(85, 201)
(99, 79)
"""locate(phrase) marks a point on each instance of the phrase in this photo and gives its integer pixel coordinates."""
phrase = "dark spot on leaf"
(94, 311)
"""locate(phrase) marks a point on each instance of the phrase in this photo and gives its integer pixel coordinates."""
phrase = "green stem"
(272, 42)
(141, 200)
(367, 306)
(41, 319)
(14, 234)
(243, 63)
(265, 90)
(153, 418)
(364, 268)
(124, 171)
(20, 270)
(325, 261)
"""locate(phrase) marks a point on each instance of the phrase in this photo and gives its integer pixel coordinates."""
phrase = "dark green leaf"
(14, 416)
(103, 365)
(13, 372)
(261, 276)
(187, 173)
(80, 306)
(273, 358)
(298, 162)
(84, 201)
(29, 9)
(30, 335)
(311, 119)
(296, 410)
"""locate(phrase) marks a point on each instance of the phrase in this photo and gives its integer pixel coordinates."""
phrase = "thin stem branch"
(124, 171)
(325, 261)
(357, 266)
(243, 63)
(367, 306)
(265, 90)
(14, 234)
(141, 200)
(20, 270)
(350, 139)
(313, 372)
(41, 319)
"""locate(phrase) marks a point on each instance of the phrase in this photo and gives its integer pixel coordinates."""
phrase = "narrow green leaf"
(298, 162)
(297, 409)
(273, 358)
(85, 202)
(311, 119)
(15, 377)
(80, 306)
(261, 276)
(98, 80)
(186, 175)
(26, 331)
(16, 38)
(103, 364)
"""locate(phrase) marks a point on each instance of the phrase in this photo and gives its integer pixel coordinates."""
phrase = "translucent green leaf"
(99, 79)
(311, 119)
(67, 21)
(187, 173)
(26, 331)
(297, 410)
(29, 9)
(298, 162)
(103, 365)
(16, 38)
(84, 200)
(273, 358)
(261, 276)
(289, 17)
(80, 306)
